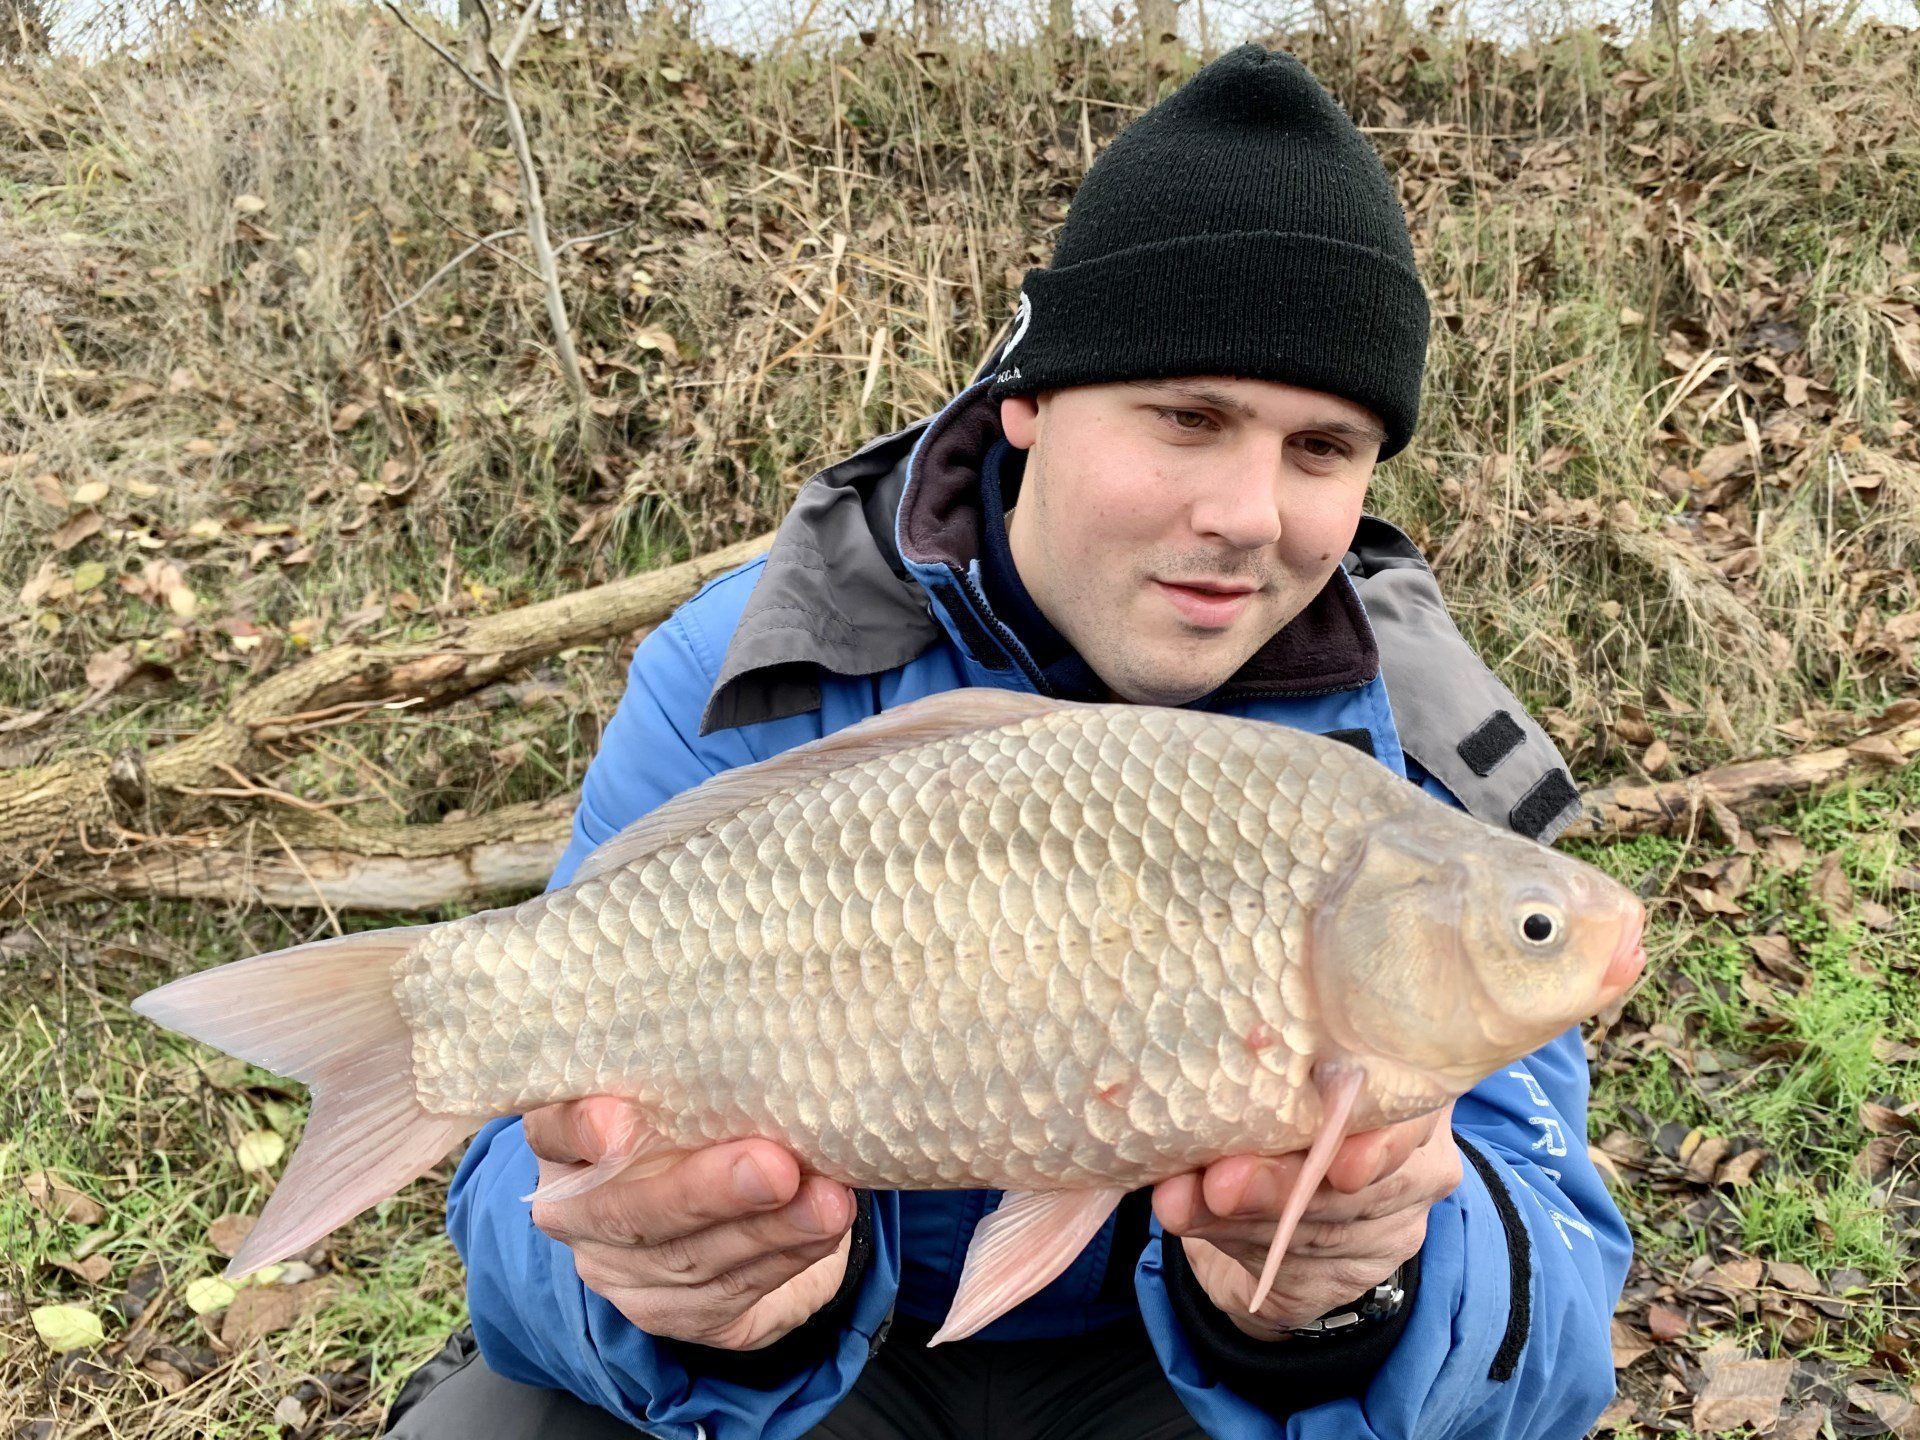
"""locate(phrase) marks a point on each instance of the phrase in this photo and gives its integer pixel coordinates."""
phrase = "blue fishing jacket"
(871, 597)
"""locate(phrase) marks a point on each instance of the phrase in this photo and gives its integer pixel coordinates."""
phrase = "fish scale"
(965, 901)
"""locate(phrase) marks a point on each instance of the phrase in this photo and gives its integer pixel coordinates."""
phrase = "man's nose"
(1243, 508)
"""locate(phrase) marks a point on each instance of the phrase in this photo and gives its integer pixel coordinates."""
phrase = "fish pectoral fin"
(640, 1152)
(1339, 1085)
(1028, 1240)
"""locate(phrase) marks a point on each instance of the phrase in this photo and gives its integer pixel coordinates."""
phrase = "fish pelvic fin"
(638, 1151)
(324, 1013)
(1339, 1085)
(1031, 1237)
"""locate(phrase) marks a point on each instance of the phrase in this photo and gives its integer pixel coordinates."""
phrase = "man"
(1153, 494)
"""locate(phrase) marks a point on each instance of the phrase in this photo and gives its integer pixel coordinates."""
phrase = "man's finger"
(723, 1182)
(810, 1224)
(1180, 1203)
(1368, 1158)
(580, 1129)
(735, 1312)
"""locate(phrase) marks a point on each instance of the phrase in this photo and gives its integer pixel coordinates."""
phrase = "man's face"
(1168, 528)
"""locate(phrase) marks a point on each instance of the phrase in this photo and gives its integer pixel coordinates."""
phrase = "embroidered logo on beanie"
(1022, 317)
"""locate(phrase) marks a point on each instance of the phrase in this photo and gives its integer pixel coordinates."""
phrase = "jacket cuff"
(804, 1346)
(1280, 1376)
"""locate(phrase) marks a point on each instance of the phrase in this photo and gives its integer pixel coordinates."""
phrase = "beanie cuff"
(1296, 308)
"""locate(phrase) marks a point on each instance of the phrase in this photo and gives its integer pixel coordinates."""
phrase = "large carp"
(984, 940)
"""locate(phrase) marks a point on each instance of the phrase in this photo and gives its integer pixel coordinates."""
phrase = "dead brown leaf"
(60, 1200)
(1897, 1413)
(1880, 748)
(1775, 952)
(1724, 460)
(1878, 1157)
(87, 522)
(1628, 1344)
(227, 1233)
(93, 1269)
(1807, 1424)
(1712, 902)
(1830, 886)
(259, 1310)
(1740, 1391)
(1666, 1323)
(1785, 1275)
(1739, 1171)
(1885, 1120)
(1702, 1154)
(1787, 852)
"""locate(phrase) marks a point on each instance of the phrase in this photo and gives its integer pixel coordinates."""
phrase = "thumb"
(580, 1130)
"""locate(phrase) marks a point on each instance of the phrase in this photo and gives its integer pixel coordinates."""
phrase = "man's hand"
(730, 1246)
(1368, 1217)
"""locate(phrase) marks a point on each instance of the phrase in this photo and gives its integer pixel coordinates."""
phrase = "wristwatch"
(1380, 1303)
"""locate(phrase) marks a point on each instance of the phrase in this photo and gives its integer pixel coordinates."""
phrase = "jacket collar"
(870, 542)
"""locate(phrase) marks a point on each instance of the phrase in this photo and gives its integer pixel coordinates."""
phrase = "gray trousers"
(1103, 1386)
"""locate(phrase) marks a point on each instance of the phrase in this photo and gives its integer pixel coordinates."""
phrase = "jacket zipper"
(1001, 632)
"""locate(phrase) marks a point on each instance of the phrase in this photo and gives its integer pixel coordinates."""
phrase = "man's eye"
(1189, 420)
(1332, 452)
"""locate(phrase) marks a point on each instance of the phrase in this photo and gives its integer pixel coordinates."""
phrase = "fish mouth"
(1629, 956)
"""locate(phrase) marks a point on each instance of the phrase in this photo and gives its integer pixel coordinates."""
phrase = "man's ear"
(1020, 420)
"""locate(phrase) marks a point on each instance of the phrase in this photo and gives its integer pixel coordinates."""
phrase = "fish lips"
(1629, 957)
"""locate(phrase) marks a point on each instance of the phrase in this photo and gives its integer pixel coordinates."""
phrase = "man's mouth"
(1210, 604)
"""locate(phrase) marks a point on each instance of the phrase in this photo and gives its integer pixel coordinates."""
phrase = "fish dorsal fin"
(935, 717)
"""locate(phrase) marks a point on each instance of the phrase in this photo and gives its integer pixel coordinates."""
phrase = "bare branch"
(546, 267)
(465, 74)
(589, 239)
(520, 33)
(484, 243)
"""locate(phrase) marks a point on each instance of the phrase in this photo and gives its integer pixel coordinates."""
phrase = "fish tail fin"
(324, 1013)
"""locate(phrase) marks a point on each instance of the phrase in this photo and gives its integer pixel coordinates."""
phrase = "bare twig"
(484, 243)
(535, 201)
(520, 33)
(499, 89)
(597, 235)
(445, 54)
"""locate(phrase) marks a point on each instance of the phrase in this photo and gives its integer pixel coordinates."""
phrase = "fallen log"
(306, 861)
(302, 862)
(1669, 807)
(43, 808)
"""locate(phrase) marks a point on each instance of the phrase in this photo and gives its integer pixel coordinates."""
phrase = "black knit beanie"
(1243, 226)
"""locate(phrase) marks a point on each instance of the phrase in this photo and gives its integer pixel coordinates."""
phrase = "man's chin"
(1148, 687)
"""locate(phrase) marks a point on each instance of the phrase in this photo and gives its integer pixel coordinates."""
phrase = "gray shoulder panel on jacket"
(1454, 715)
(828, 599)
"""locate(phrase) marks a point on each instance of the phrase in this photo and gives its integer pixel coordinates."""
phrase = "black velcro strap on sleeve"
(1519, 1265)
(1492, 740)
(1280, 1376)
(1550, 794)
(1361, 740)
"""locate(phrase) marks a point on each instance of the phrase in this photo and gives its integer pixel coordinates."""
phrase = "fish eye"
(1540, 924)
